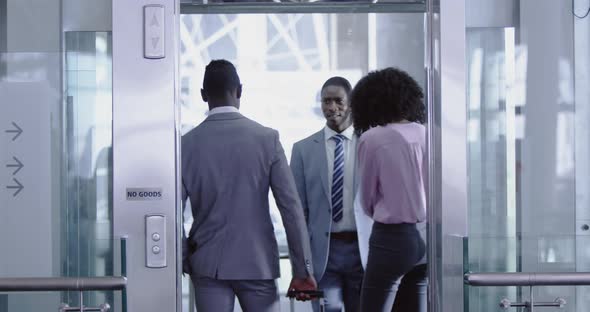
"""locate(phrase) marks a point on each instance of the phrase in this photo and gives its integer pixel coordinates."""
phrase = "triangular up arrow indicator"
(155, 41)
(154, 22)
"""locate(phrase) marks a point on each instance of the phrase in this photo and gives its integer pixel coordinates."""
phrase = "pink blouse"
(393, 165)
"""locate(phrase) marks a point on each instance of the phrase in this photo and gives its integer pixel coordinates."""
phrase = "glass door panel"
(55, 147)
(527, 163)
(88, 137)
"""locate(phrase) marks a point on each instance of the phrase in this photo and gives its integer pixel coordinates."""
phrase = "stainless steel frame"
(145, 150)
(447, 130)
(433, 140)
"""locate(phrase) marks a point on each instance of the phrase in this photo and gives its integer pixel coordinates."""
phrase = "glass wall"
(283, 60)
(88, 203)
(55, 147)
(528, 155)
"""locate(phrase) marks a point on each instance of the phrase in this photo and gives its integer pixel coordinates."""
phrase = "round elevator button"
(156, 249)
(156, 237)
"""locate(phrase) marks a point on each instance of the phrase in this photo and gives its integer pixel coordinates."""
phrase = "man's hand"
(301, 284)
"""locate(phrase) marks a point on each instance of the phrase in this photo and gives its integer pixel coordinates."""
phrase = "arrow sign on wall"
(16, 130)
(19, 187)
(19, 165)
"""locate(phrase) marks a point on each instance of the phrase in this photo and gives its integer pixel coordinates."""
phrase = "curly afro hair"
(386, 96)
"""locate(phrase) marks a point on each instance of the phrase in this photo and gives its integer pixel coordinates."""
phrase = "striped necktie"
(338, 178)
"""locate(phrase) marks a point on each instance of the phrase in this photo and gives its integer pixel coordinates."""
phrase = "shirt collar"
(329, 133)
(223, 109)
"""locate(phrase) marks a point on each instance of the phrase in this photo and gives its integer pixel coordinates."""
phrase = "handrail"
(528, 279)
(30, 284)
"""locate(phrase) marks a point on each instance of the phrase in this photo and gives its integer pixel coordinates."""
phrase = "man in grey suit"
(229, 163)
(324, 169)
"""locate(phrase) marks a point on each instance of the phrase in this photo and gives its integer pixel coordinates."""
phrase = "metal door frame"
(141, 86)
(445, 81)
(447, 133)
(146, 153)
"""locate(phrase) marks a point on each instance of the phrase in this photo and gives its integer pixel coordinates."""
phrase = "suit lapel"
(321, 156)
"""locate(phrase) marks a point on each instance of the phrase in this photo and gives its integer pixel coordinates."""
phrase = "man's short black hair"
(338, 82)
(220, 77)
(385, 96)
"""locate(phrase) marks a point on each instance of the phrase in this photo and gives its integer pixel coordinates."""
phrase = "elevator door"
(283, 53)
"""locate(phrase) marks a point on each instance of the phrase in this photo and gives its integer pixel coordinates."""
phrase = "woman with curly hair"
(388, 113)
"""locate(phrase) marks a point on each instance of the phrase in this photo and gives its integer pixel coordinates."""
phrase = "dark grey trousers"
(343, 278)
(213, 295)
(393, 280)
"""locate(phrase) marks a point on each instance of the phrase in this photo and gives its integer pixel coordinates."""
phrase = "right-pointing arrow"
(19, 187)
(19, 165)
(16, 130)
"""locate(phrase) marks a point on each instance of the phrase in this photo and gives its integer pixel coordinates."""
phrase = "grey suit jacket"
(229, 163)
(310, 169)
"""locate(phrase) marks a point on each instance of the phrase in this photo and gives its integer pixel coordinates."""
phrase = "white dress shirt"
(349, 144)
(223, 109)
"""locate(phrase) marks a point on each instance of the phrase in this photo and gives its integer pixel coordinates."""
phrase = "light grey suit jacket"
(309, 164)
(229, 163)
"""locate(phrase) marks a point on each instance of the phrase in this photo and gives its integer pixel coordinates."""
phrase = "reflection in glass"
(88, 140)
(57, 86)
(525, 158)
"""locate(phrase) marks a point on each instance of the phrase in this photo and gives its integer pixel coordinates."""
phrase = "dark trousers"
(343, 277)
(393, 280)
(214, 295)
